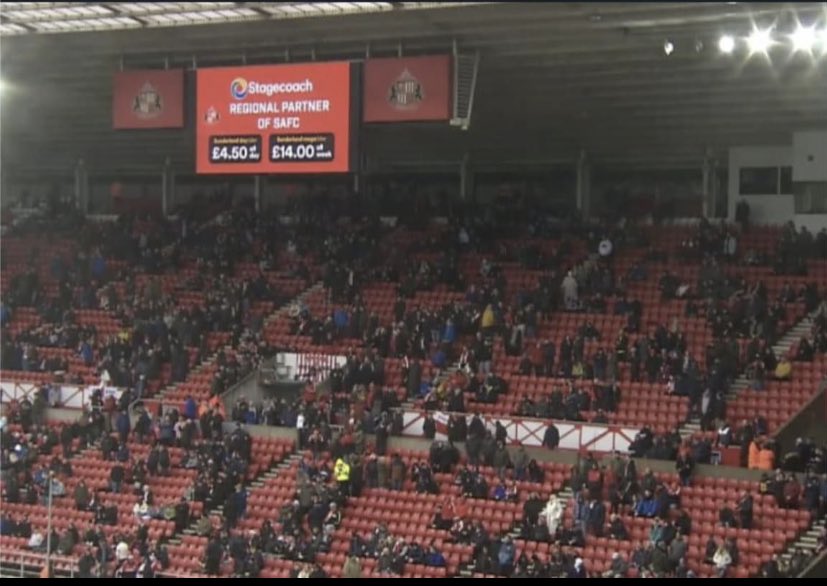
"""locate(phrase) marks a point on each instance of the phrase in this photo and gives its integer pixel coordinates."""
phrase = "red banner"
(152, 98)
(291, 118)
(407, 89)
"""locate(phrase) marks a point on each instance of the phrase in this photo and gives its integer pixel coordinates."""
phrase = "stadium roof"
(63, 17)
(554, 78)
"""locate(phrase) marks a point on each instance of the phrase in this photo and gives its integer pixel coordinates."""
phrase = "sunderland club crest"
(406, 92)
(148, 103)
(211, 116)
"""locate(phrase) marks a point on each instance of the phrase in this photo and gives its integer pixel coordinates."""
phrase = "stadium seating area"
(407, 513)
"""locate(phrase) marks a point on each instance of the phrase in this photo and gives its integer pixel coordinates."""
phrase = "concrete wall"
(813, 222)
(810, 155)
(764, 209)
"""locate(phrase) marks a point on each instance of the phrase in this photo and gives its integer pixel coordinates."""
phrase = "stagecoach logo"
(406, 92)
(148, 102)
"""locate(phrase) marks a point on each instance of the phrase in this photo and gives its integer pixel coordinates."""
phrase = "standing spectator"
(685, 465)
(341, 472)
(745, 510)
(505, 556)
(81, 496)
(352, 568)
(551, 438)
(502, 460)
(722, 560)
(122, 426)
(577, 570)
(398, 471)
(569, 288)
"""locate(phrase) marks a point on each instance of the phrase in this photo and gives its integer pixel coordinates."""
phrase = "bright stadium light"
(726, 44)
(804, 39)
(759, 41)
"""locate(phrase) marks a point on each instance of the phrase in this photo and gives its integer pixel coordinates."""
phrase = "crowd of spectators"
(160, 332)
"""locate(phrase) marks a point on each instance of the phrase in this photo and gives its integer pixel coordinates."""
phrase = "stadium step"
(808, 541)
(781, 348)
(164, 393)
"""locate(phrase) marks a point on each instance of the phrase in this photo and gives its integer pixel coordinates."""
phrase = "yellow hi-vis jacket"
(341, 471)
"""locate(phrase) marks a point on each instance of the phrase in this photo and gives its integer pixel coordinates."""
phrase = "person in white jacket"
(722, 560)
(553, 513)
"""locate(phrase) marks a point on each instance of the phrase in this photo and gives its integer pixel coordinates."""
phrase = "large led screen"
(274, 119)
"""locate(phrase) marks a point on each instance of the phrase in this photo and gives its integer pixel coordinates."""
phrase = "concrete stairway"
(807, 541)
(279, 469)
(286, 308)
(565, 494)
(447, 372)
(781, 347)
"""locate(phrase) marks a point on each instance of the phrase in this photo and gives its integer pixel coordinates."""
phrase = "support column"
(584, 185)
(257, 192)
(464, 178)
(81, 188)
(173, 199)
(706, 173)
(714, 189)
(165, 207)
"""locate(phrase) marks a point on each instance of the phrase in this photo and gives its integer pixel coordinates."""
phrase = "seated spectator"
(499, 492)
(618, 568)
(434, 558)
(438, 521)
(647, 506)
(36, 541)
(7, 525)
(617, 530)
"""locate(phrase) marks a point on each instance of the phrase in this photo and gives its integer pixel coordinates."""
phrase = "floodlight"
(726, 44)
(759, 41)
(804, 39)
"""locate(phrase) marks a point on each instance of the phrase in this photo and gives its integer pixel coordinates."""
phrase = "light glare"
(804, 39)
(668, 47)
(759, 41)
(726, 44)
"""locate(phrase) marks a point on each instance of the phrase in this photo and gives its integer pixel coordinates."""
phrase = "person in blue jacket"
(647, 506)
(434, 558)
